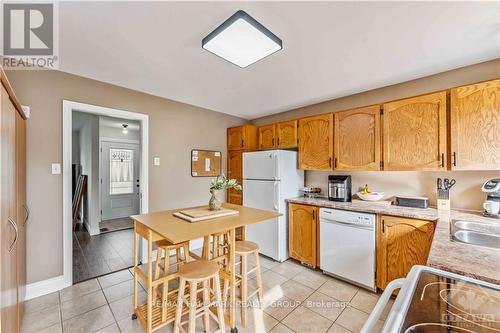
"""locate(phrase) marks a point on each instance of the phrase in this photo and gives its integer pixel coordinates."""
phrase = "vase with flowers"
(219, 184)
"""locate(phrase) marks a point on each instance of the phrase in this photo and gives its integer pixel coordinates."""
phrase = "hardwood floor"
(102, 254)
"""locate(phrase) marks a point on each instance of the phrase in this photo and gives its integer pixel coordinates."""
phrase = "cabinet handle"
(454, 159)
(242, 143)
(273, 141)
(335, 163)
(314, 215)
(278, 141)
(442, 160)
(330, 162)
(383, 226)
(14, 225)
(27, 214)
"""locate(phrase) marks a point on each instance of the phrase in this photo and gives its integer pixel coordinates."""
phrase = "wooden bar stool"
(195, 272)
(244, 249)
(163, 250)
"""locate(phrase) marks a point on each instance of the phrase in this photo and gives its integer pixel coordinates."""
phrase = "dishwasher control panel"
(348, 217)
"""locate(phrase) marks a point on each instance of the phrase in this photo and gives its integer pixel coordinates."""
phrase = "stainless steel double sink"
(475, 233)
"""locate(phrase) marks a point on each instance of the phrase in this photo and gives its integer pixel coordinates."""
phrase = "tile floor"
(102, 254)
(116, 224)
(297, 299)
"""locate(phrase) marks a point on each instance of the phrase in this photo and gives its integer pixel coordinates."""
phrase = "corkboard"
(206, 163)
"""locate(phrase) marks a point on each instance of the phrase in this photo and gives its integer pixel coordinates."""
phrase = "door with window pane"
(120, 188)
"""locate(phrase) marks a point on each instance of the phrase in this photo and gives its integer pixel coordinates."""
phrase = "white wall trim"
(92, 231)
(45, 287)
(68, 108)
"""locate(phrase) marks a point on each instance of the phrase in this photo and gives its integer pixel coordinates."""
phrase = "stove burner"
(414, 328)
(441, 304)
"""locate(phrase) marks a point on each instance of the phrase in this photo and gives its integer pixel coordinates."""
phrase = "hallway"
(102, 254)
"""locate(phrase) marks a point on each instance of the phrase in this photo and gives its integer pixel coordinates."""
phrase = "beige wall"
(466, 194)
(175, 129)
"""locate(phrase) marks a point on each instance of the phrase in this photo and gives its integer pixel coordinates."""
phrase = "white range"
(269, 178)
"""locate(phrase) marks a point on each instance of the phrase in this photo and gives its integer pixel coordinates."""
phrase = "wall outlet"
(156, 161)
(56, 168)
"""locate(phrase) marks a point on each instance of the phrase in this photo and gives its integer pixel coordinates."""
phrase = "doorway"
(106, 169)
(119, 185)
(108, 148)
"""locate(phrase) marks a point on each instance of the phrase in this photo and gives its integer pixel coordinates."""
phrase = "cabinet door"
(302, 226)
(414, 133)
(475, 127)
(357, 139)
(316, 142)
(8, 261)
(266, 137)
(22, 210)
(402, 243)
(234, 170)
(236, 138)
(286, 133)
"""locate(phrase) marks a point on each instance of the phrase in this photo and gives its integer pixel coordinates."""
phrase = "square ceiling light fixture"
(242, 40)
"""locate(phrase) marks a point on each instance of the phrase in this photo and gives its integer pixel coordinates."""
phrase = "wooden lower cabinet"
(401, 244)
(303, 222)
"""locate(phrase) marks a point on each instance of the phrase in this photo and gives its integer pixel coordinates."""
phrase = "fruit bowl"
(371, 196)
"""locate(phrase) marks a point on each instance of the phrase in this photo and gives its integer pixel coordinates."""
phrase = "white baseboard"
(57, 283)
(45, 287)
(91, 231)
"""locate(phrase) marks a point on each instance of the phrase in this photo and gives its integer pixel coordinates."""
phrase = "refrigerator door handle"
(276, 197)
(276, 169)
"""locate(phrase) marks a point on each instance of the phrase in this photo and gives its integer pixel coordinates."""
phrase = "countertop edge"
(465, 259)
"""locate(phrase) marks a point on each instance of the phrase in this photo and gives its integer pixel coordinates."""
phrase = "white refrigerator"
(269, 178)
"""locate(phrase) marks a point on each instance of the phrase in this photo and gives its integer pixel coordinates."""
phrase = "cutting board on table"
(203, 213)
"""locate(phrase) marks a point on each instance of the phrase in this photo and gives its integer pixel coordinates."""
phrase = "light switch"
(56, 168)
(156, 161)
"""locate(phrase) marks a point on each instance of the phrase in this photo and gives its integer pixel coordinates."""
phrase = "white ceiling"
(330, 49)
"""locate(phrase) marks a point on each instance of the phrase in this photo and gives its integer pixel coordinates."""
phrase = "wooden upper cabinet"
(242, 137)
(357, 139)
(475, 126)
(401, 243)
(287, 134)
(414, 133)
(267, 135)
(302, 229)
(316, 142)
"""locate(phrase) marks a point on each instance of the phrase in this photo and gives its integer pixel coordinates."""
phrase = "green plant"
(222, 183)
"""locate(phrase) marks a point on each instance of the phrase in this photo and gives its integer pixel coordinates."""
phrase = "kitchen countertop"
(474, 261)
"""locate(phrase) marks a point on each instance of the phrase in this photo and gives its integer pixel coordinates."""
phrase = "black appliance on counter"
(339, 188)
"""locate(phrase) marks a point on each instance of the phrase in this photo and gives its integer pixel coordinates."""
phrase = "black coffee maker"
(339, 188)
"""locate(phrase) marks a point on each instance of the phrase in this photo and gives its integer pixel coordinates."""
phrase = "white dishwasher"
(347, 246)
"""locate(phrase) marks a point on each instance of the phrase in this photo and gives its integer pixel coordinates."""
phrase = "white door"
(260, 165)
(120, 188)
(263, 194)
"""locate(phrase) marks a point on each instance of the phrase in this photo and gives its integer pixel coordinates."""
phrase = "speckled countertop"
(479, 262)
